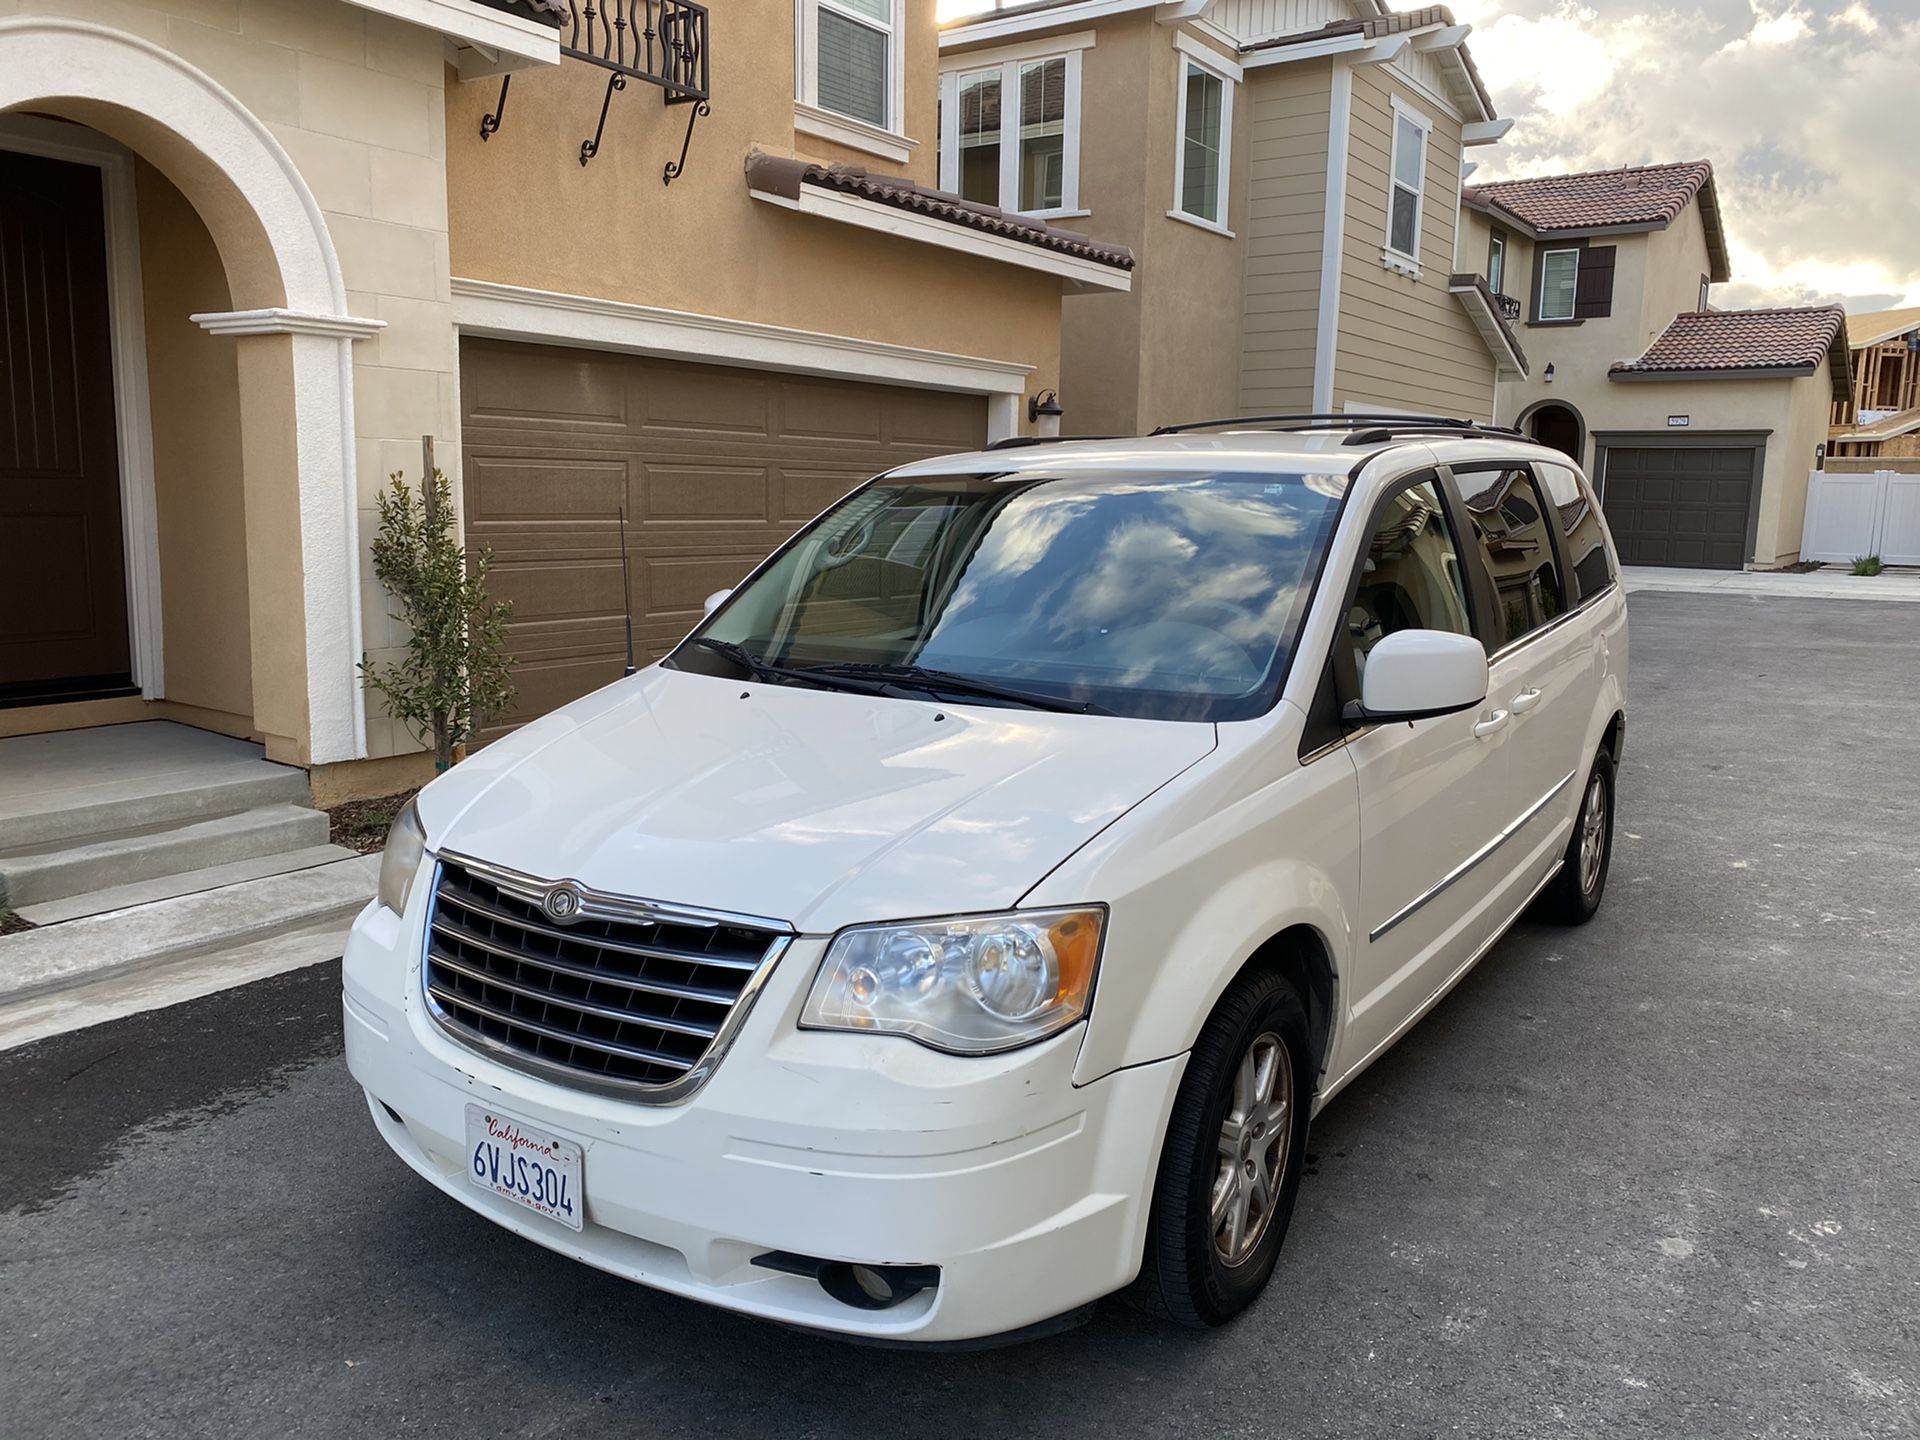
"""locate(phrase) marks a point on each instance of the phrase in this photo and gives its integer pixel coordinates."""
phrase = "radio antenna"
(626, 589)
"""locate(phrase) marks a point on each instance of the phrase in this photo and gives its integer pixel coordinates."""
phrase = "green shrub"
(456, 668)
(1867, 565)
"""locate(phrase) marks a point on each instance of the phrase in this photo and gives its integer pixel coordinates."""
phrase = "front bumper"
(1029, 1194)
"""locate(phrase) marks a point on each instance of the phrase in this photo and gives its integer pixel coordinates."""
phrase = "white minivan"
(965, 921)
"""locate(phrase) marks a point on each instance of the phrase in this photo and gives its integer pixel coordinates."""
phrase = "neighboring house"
(1699, 426)
(1287, 173)
(251, 252)
(1882, 415)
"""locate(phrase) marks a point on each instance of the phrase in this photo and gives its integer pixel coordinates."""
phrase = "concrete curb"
(76, 952)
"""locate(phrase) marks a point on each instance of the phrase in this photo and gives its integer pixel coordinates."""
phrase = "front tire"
(1574, 894)
(1230, 1168)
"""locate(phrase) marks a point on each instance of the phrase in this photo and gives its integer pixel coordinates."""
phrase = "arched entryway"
(1557, 425)
(295, 375)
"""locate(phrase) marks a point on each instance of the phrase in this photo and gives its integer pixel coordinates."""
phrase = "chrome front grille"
(627, 997)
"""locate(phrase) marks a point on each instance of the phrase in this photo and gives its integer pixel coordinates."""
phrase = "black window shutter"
(1593, 291)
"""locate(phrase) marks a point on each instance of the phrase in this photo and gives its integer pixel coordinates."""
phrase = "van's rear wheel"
(1230, 1169)
(1573, 895)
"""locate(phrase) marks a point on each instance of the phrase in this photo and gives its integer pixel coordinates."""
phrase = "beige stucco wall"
(195, 400)
(524, 211)
(1288, 109)
(1674, 259)
(1405, 342)
(355, 98)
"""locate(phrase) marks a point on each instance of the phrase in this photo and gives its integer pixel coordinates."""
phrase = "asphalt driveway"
(1657, 1176)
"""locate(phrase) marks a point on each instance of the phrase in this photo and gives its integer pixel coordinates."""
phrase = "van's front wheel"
(1230, 1169)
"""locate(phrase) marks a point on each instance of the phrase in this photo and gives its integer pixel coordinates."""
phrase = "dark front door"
(63, 596)
(1681, 505)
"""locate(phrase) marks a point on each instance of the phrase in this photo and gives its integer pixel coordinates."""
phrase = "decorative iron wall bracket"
(663, 42)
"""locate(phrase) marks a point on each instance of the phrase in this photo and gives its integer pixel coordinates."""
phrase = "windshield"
(1165, 596)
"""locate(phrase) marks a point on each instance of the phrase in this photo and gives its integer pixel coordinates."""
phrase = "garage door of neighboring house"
(1692, 504)
(715, 467)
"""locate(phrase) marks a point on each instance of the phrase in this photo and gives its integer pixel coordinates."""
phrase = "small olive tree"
(456, 668)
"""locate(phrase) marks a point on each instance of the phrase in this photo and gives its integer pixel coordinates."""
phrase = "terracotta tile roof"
(1881, 325)
(1637, 195)
(1791, 341)
(779, 176)
(553, 12)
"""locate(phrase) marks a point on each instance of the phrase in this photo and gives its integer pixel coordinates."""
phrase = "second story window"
(1559, 279)
(1497, 263)
(1407, 186)
(1200, 152)
(849, 56)
(1010, 133)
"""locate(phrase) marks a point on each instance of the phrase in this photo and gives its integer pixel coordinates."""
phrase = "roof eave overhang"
(1719, 264)
(1731, 372)
(1509, 360)
(1355, 47)
(961, 34)
(1077, 274)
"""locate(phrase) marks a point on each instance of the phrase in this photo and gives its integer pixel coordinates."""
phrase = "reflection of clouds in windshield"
(1017, 541)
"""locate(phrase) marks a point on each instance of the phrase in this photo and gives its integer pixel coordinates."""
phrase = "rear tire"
(1230, 1169)
(1574, 894)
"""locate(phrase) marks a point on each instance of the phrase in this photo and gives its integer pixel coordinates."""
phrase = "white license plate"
(527, 1166)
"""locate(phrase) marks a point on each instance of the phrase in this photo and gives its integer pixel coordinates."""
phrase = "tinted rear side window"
(1510, 522)
(1585, 543)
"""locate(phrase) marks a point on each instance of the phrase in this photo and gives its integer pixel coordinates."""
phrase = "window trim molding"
(806, 66)
(1539, 306)
(1214, 65)
(1008, 60)
(1394, 258)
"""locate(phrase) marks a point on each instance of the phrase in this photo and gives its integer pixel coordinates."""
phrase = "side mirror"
(1413, 674)
(716, 600)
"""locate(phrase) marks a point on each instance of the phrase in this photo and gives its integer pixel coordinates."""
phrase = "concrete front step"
(190, 882)
(32, 877)
(119, 778)
(44, 961)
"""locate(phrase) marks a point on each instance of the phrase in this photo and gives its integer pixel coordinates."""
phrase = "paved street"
(1659, 1176)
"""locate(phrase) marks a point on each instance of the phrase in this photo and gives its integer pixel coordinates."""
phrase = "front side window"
(1511, 525)
(1411, 578)
(1497, 264)
(1171, 596)
(1014, 138)
(1205, 101)
(1589, 569)
(850, 44)
(1408, 185)
(1559, 274)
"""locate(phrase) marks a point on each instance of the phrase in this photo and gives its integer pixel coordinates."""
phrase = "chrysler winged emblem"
(561, 903)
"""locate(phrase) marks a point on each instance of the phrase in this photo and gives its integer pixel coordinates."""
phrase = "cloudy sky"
(1808, 109)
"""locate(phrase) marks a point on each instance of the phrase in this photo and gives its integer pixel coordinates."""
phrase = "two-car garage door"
(715, 467)
(1680, 505)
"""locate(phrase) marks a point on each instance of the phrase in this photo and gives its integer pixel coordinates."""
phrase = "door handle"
(1525, 701)
(1493, 723)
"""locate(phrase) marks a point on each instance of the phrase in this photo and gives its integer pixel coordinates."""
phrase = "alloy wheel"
(1253, 1149)
(1593, 834)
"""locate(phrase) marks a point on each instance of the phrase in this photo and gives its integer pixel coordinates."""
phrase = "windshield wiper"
(922, 677)
(763, 669)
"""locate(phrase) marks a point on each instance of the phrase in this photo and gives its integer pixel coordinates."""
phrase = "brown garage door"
(715, 466)
(1680, 505)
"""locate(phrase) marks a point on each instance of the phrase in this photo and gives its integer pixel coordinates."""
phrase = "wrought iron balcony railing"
(1509, 307)
(662, 42)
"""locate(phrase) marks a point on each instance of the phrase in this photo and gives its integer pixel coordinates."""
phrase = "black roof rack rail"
(1364, 429)
(1016, 442)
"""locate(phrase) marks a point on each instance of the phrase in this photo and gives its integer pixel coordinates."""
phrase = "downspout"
(1333, 234)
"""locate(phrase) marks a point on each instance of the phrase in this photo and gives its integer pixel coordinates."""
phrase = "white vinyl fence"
(1853, 515)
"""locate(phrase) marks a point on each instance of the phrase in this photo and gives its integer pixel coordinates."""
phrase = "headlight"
(970, 985)
(400, 861)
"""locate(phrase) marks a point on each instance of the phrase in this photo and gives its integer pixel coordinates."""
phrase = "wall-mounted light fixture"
(1547, 376)
(1043, 413)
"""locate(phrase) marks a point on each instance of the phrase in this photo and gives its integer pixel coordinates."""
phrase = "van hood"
(818, 808)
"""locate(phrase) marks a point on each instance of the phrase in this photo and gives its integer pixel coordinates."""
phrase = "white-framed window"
(1203, 142)
(847, 59)
(1497, 263)
(1010, 130)
(1559, 278)
(1406, 185)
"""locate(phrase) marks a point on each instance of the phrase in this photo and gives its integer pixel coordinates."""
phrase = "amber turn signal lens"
(1076, 945)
